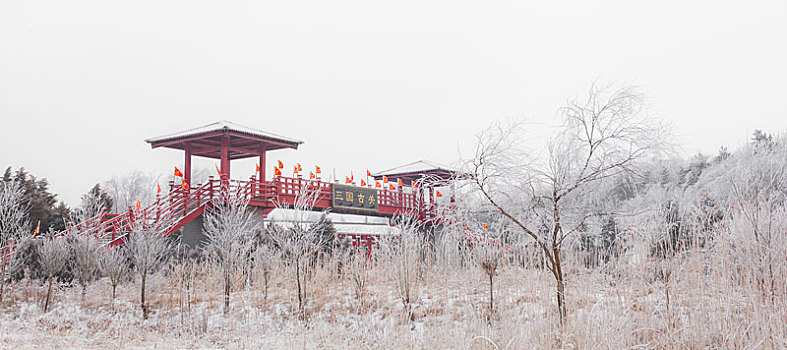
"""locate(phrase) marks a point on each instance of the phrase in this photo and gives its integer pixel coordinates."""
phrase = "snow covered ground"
(619, 308)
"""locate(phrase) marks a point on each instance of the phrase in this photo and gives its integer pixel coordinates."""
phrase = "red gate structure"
(227, 141)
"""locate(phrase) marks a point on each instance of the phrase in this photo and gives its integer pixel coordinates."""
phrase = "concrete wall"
(191, 234)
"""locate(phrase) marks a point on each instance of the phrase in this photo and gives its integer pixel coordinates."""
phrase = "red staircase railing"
(171, 212)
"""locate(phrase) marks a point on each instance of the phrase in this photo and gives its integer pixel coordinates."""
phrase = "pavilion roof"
(422, 170)
(205, 141)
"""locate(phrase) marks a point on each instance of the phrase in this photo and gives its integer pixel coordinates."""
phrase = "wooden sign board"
(352, 197)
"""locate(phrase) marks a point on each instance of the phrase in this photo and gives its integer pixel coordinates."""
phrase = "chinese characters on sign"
(354, 197)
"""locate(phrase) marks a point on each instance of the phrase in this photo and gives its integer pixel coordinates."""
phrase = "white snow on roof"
(415, 167)
(222, 125)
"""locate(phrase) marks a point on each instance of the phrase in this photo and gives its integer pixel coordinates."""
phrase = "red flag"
(311, 175)
(258, 167)
(281, 165)
(299, 167)
(485, 227)
(413, 184)
(318, 171)
(138, 205)
(368, 173)
(347, 180)
(185, 185)
(276, 172)
(385, 179)
(38, 226)
(158, 189)
(363, 183)
(377, 184)
(438, 194)
(217, 169)
(294, 169)
(391, 187)
(178, 173)
(399, 182)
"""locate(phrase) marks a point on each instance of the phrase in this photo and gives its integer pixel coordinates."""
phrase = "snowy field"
(622, 307)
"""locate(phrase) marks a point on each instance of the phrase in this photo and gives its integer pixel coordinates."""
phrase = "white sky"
(367, 84)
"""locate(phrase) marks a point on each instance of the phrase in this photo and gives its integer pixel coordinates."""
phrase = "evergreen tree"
(93, 202)
(103, 198)
(327, 233)
(37, 197)
(60, 215)
(8, 175)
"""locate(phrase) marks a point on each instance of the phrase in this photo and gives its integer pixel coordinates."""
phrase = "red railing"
(5, 254)
(167, 213)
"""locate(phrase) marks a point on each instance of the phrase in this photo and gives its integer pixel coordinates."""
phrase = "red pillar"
(187, 165)
(225, 156)
(262, 164)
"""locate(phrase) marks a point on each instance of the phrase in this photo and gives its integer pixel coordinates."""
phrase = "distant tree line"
(42, 205)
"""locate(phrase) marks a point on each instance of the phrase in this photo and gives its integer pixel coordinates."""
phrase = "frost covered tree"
(126, 190)
(229, 227)
(38, 200)
(486, 251)
(602, 136)
(148, 250)
(86, 260)
(757, 181)
(114, 265)
(357, 265)
(54, 256)
(13, 212)
(404, 252)
(302, 240)
(13, 224)
(264, 259)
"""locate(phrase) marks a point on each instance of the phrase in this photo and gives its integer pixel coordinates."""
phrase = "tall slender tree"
(149, 251)
(230, 229)
(602, 136)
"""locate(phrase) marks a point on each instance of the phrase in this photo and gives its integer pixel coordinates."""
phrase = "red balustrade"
(169, 213)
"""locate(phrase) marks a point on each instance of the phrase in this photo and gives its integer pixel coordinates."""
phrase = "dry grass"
(621, 307)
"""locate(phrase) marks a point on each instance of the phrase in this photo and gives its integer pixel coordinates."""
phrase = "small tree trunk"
(491, 296)
(298, 284)
(265, 277)
(561, 286)
(669, 315)
(226, 293)
(48, 294)
(84, 290)
(188, 295)
(142, 297)
(112, 301)
(2, 277)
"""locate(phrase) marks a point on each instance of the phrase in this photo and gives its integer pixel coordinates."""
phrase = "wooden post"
(263, 151)
(225, 157)
(210, 188)
(261, 174)
(187, 164)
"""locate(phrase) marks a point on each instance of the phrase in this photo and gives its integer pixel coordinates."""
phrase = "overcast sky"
(366, 84)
